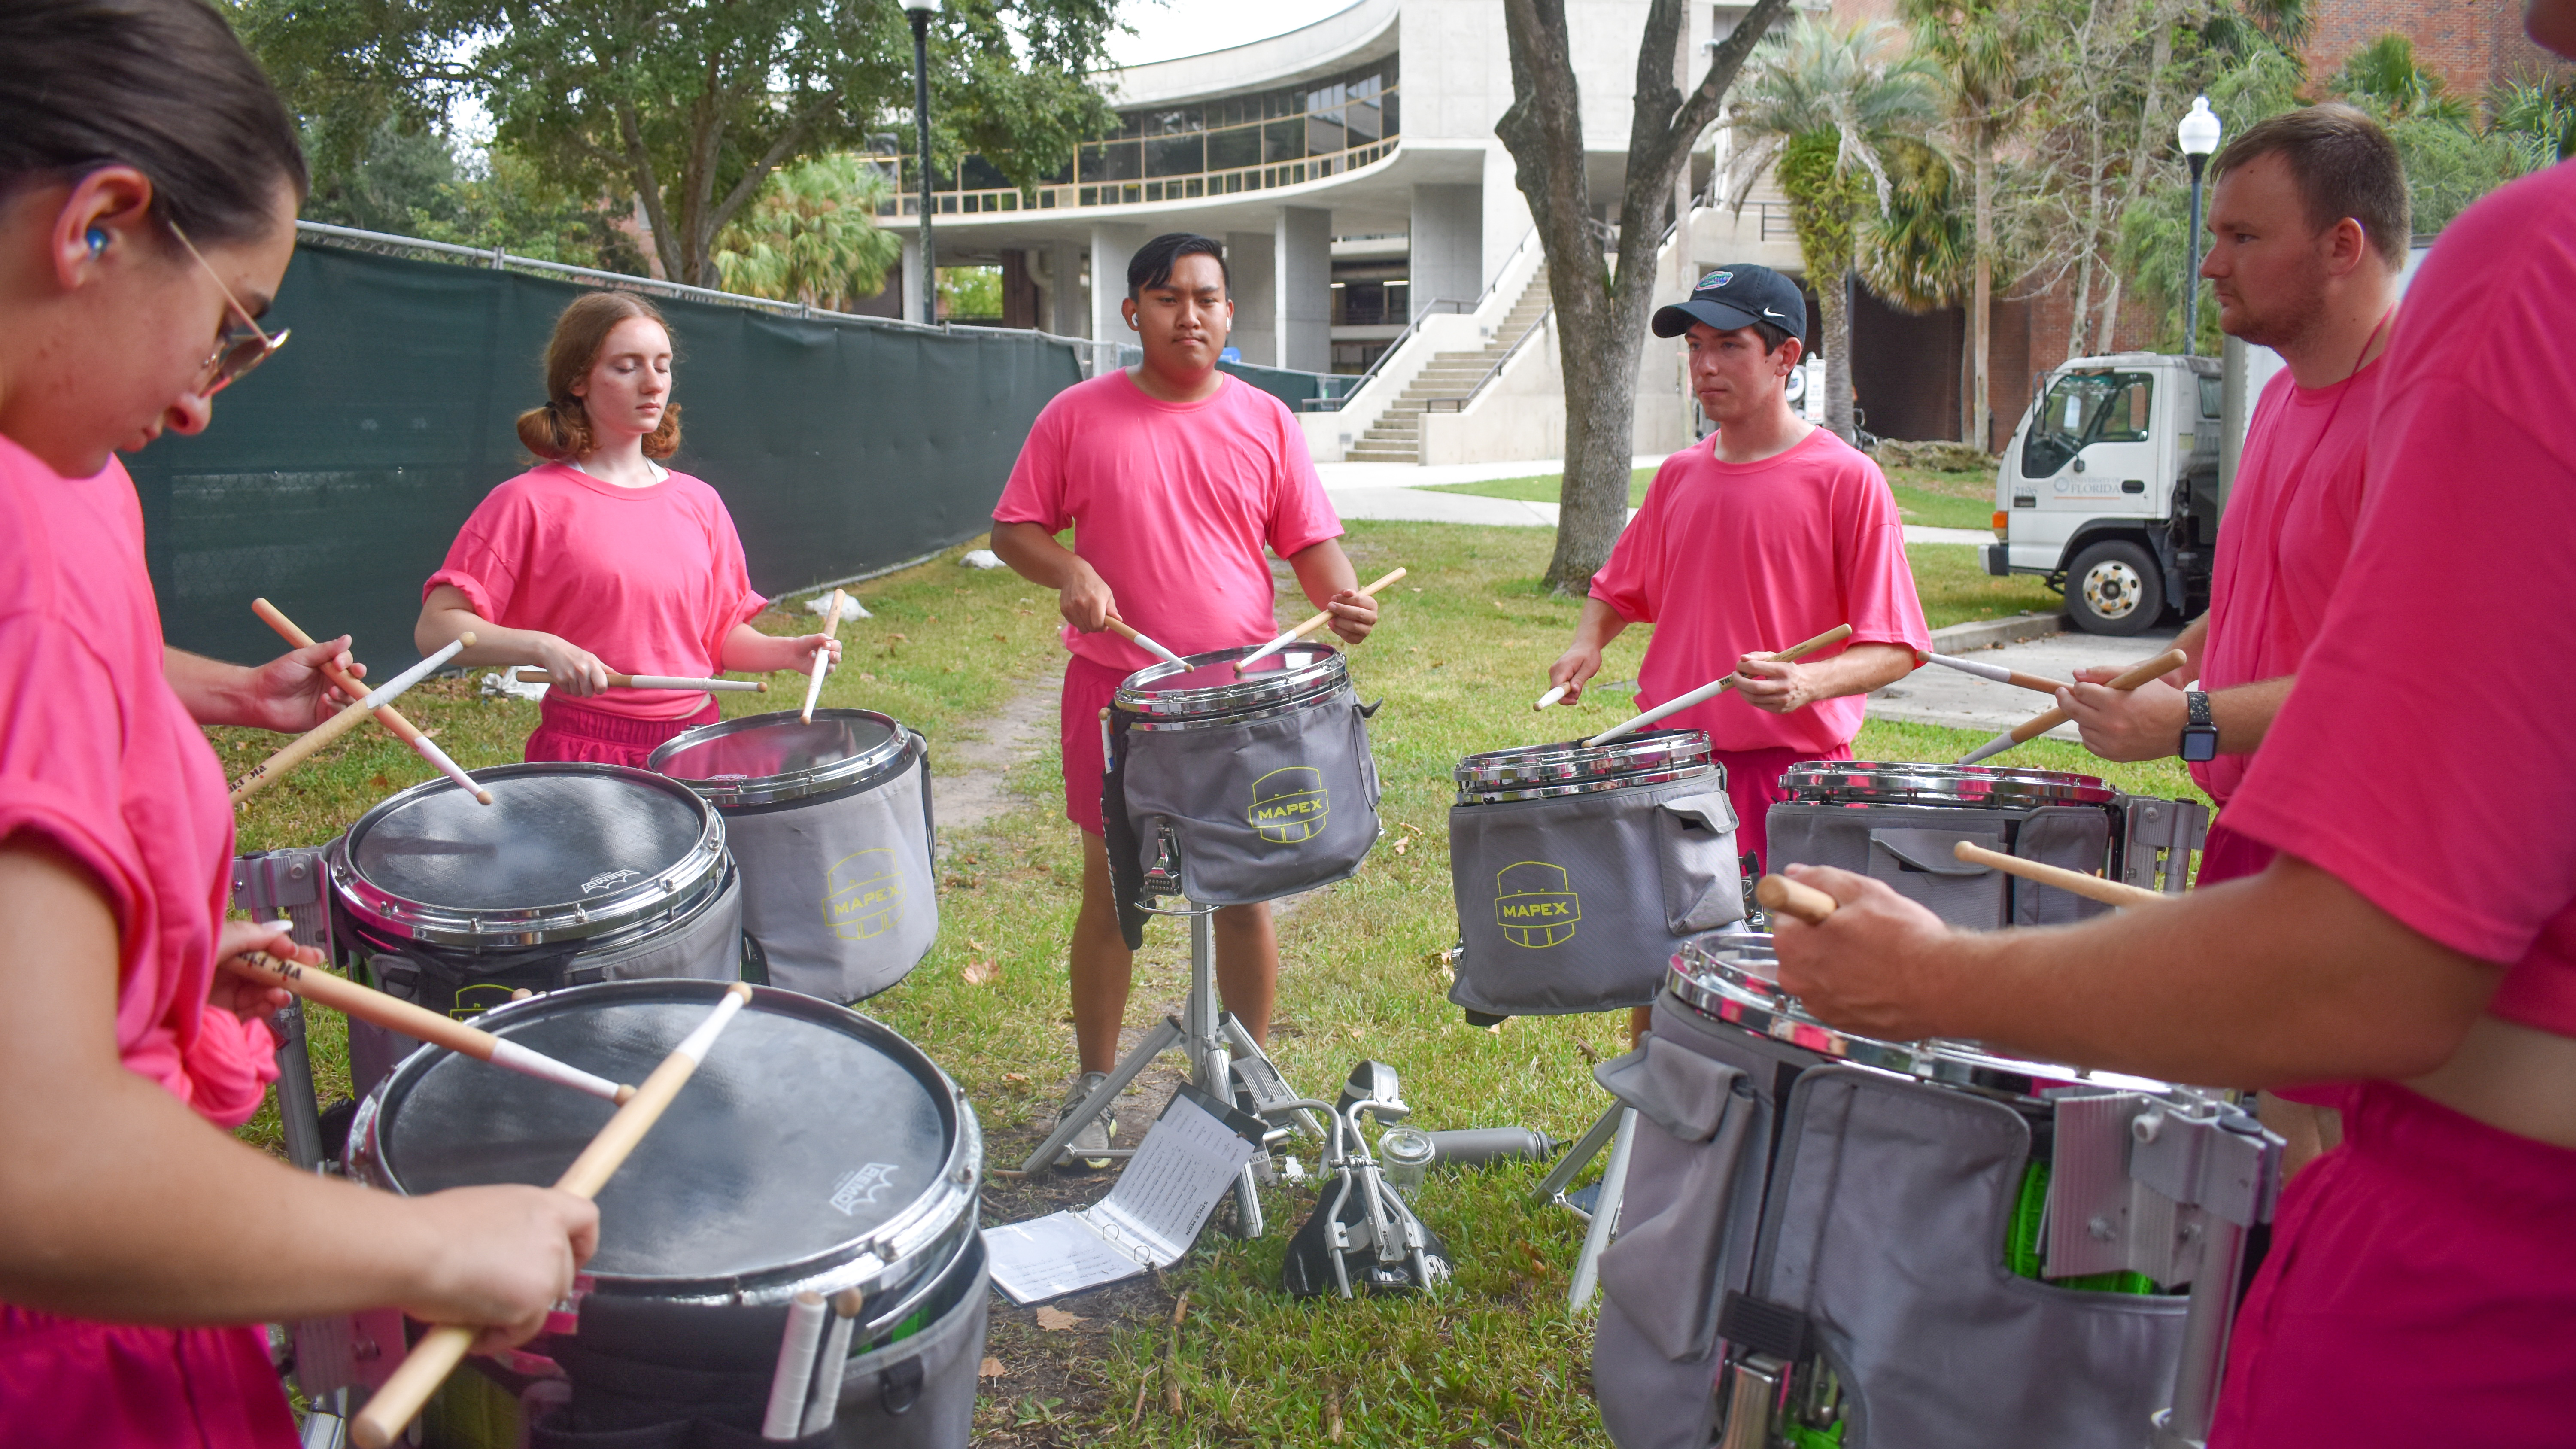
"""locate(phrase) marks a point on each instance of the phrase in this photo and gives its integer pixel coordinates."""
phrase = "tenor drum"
(1578, 869)
(1899, 822)
(813, 1149)
(1939, 1244)
(830, 823)
(1232, 789)
(574, 873)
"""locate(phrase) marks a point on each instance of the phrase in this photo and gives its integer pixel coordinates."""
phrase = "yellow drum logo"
(1289, 805)
(865, 895)
(1535, 905)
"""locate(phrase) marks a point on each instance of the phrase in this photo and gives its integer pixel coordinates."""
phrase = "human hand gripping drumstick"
(2092, 887)
(1714, 688)
(1311, 625)
(380, 1424)
(2037, 725)
(1118, 626)
(822, 656)
(304, 746)
(391, 718)
(534, 675)
(419, 1023)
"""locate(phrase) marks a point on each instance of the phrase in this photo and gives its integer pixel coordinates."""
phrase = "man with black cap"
(1769, 531)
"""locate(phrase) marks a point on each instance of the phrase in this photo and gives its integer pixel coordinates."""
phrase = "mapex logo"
(859, 1189)
(607, 878)
(1714, 279)
(1535, 904)
(863, 895)
(1289, 805)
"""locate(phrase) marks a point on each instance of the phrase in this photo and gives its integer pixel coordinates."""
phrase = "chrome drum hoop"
(1983, 787)
(1304, 674)
(1585, 787)
(842, 748)
(1735, 979)
(905, 1251)
(661, 895)
(1661, 754)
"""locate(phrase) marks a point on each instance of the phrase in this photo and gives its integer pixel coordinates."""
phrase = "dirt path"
(964, 799)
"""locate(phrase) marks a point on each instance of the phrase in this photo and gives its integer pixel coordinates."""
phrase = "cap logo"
(1714, 279)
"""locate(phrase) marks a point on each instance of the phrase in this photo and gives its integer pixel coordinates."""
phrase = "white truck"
(2109, 489)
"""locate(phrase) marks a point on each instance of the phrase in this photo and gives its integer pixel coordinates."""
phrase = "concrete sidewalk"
(1339, 476)
(1938, 695)
(1410, 503)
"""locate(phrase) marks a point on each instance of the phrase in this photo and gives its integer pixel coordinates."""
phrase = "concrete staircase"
(1396, 437)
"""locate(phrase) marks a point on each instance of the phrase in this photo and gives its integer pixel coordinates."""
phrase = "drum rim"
(1757, 1005)
(1568, 759)
(795, 784)
(918, 1241)
(408, 919)
(1228, 703)
(1982, 787)
(1610, 785)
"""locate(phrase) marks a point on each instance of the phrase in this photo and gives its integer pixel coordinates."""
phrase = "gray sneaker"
(1096, 1135)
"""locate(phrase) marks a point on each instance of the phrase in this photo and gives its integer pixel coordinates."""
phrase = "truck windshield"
(2082, 408)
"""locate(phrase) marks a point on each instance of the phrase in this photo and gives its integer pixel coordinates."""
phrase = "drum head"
(807, 1130)
(1874, 782)
(770, 757)
(563, 851)
(1572, 767)
(1210, 689)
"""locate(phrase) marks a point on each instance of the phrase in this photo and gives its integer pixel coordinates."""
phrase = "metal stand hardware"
(1616, 1127)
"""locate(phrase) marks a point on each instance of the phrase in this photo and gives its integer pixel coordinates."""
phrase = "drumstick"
(788, 1383)
(822, 656)
(2156, 668)
(1551, 697)
(380, 1423)
(532, 675)
(1834, 635)
(419, 1023)
(1311, 625)
(1786, 897)
(1119, 627)
(303, 746)
(391, 718)
(1996, 672)
(2093, 887)
(825, 1405)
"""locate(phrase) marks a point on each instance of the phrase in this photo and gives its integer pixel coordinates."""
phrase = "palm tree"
(812, 236)
(1820, 108)
(1915, 253)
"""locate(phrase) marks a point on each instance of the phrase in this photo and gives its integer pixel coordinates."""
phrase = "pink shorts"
(570, 730)
(1753, 785)
(2421, 1289)
(1088, 688)
(66, 1383)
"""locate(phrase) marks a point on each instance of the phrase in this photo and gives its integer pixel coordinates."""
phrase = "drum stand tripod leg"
(1605, 1213)
(1569, 1167)
(1165, 1035)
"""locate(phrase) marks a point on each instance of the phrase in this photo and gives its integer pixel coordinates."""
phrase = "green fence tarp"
(335, 477)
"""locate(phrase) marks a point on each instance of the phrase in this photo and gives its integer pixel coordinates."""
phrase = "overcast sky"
(1166, 29)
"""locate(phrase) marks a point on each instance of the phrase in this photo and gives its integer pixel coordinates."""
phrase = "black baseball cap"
(1735, 297)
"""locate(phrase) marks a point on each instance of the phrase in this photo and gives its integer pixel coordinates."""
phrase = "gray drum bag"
(1575, 903)
(1878, 1208)
(838, 893)
(1909, 847)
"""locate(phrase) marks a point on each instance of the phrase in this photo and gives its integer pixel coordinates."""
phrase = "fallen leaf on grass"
(974, 944)
(978, 972)
(991, 1368)
(1404, 844)
(1015, 1077)
(1056, 1320)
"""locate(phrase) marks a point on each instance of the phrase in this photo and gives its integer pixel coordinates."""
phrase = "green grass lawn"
(1952, 581)
(1543, 488)
(1944, 500)
(1494, 1358)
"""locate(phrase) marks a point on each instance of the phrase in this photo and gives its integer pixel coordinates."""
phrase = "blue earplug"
(97, 240)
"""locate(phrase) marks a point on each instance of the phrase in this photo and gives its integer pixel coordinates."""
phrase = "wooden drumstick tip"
(1787, 897)
(848, 1302)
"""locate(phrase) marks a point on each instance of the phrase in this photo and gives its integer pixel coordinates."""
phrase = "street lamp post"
(2198, 135)
(919, 12)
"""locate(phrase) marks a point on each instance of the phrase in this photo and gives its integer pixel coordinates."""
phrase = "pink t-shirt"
(1728, 558)
(99, 758)
(649, 579)
(2287, 532)
(1171, 504)
(2433, 776)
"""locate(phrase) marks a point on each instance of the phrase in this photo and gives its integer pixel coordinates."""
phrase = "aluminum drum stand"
(1223, 1056)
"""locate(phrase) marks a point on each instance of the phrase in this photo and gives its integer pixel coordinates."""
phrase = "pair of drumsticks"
(1123, 630)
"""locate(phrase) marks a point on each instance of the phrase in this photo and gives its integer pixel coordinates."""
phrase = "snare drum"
(574, 873)
(830, 824)
(1928, 1213)
(1231, 789)
(1577, 869)
(1899, 822)
(813, 1149)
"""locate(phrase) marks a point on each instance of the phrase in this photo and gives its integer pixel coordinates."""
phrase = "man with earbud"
(1770, 531)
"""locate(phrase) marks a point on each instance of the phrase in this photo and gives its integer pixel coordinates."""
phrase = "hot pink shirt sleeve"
(733, 583)
(1879, 597)
(485, 559)
(1036, 490)
(1301, 516)
(1631, 581)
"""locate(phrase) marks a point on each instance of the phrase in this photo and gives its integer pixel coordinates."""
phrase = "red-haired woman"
(599, 553)
(148, 185)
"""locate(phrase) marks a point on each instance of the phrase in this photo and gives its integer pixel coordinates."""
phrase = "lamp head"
(2199, 129)
(921, 8)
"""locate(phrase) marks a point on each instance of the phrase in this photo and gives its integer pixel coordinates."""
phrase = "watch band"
(2197, 704)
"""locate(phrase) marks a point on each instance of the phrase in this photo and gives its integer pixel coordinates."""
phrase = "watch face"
(2199, 744)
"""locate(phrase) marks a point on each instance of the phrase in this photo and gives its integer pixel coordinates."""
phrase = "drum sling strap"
(1118, 833)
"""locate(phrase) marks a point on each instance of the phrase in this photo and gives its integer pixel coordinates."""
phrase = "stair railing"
(1436, 304)
(1458, 404)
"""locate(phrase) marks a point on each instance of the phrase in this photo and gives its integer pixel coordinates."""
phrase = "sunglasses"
(241, 346)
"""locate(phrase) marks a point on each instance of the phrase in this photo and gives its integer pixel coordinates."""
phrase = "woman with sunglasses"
(148, 185)
(601, 560)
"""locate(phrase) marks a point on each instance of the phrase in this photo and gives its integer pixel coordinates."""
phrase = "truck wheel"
(2114, 588)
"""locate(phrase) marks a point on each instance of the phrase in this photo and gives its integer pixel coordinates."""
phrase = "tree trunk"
(1833, 311)
(1981, 296)
(2161, 24)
